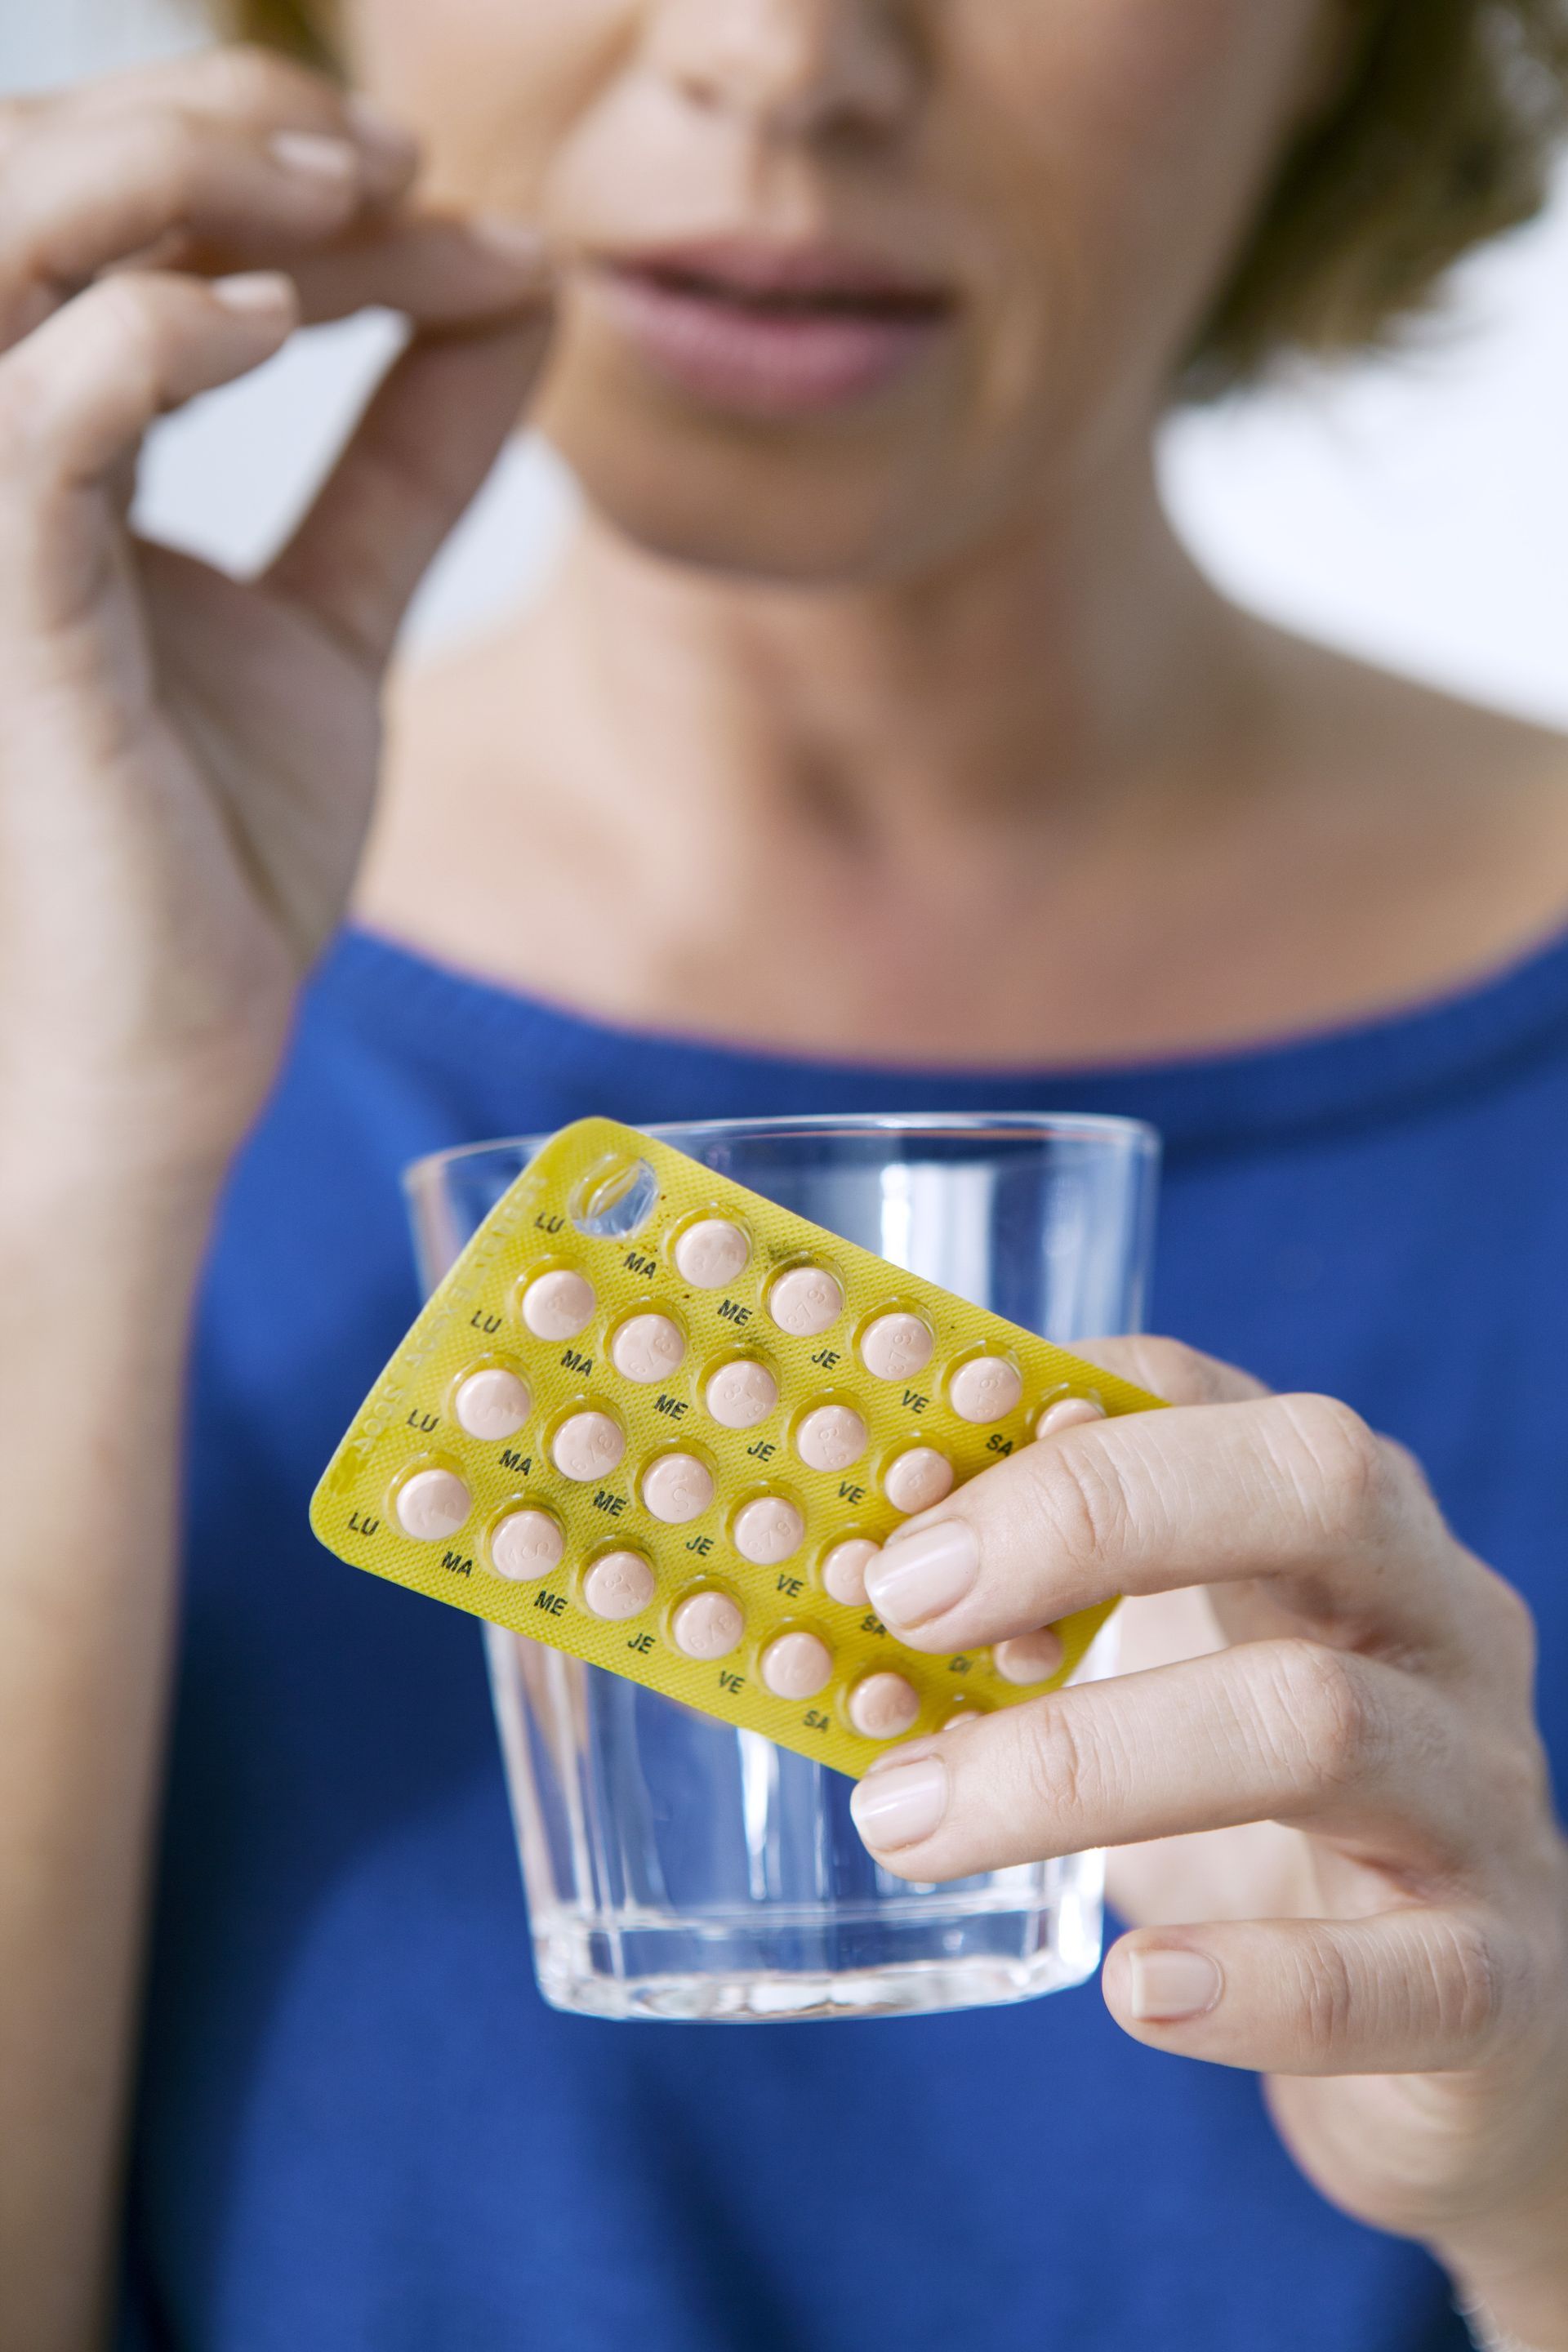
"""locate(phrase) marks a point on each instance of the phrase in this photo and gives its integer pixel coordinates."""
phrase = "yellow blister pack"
(658, 1421)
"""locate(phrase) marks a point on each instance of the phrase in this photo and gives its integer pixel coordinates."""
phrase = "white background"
(1415, 508)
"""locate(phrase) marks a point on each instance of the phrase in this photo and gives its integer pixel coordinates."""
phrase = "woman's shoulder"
(1457, 812)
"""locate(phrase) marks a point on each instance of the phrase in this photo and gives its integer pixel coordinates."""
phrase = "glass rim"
(1132, 1137)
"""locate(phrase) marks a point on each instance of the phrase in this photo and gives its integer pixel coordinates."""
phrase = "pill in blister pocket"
(831, 1437)
(916, 1478)
(707, 1625)
(526, 1544)
(619, 1585)
(559, 1305)
(433, 1505)
(798, 1665)
(587, 1446)
(740, 1395)
(988, 1388)
(768, 1530)
(676, 1487)
(647, 1347)
(492, 1404)
(896, 1347)
(1028, 1657)
(671, 1447)
(883, 1706)
(844, 1572)
(806, 1302)
(1068, 1412)
(711, 1254)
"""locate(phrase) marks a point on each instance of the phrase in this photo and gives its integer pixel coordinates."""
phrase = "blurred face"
(850, 287)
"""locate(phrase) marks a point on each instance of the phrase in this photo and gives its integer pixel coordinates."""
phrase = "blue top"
(362, 2131)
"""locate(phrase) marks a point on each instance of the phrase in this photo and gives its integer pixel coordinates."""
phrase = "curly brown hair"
(1442, 134)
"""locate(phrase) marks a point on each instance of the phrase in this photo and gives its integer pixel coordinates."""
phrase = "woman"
(876, 747)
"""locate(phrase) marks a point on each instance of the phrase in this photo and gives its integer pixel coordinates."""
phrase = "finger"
(1286, 1730)
(243, 88)
(1167, 1368)
(78, 395)
(1295, 1495)
(439, 272)
(426, 445)
(76, 197)
(1407, 1992)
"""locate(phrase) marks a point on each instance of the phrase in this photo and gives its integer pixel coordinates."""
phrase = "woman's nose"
(793, 69)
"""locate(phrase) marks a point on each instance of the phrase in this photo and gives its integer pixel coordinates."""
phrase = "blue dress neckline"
(1479, 1032)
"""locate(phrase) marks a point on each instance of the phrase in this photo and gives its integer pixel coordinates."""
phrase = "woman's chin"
(820, 502)
(790, 524)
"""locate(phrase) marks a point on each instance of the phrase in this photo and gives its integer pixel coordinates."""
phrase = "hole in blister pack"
(617, 1201)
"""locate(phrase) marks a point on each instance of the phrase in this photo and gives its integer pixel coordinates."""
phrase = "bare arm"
(187, 769)
(97, 1289)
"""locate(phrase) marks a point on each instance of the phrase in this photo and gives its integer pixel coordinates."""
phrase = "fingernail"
(897, 1808)
(316, 157)
(1171, 1984)
(387, 139)
(516, 242)
(257, 290)
(917, 1576)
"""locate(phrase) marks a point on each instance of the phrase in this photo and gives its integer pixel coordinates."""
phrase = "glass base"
(731, 1970)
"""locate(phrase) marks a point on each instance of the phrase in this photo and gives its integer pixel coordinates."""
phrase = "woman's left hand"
(1323, 1764)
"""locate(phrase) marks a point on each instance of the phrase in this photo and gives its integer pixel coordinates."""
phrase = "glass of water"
(678, 1867)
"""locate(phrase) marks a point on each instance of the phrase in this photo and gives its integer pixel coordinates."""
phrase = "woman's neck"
(1078, 661)
(1057, 802)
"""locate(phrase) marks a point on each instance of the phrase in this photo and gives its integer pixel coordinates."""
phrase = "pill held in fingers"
(687, 1451)
(264, 295)
(336, 160)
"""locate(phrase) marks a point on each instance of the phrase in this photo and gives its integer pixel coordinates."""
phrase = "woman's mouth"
(773, 330)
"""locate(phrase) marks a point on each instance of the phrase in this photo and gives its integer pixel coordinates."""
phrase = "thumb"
(1168, 1368)
(422, 451)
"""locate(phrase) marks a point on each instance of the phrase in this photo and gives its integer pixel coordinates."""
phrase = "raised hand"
(187, 762)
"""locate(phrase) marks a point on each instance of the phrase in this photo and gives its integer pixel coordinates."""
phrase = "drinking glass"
(679, 1867)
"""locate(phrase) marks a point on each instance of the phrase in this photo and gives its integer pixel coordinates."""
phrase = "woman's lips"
(773, 332)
